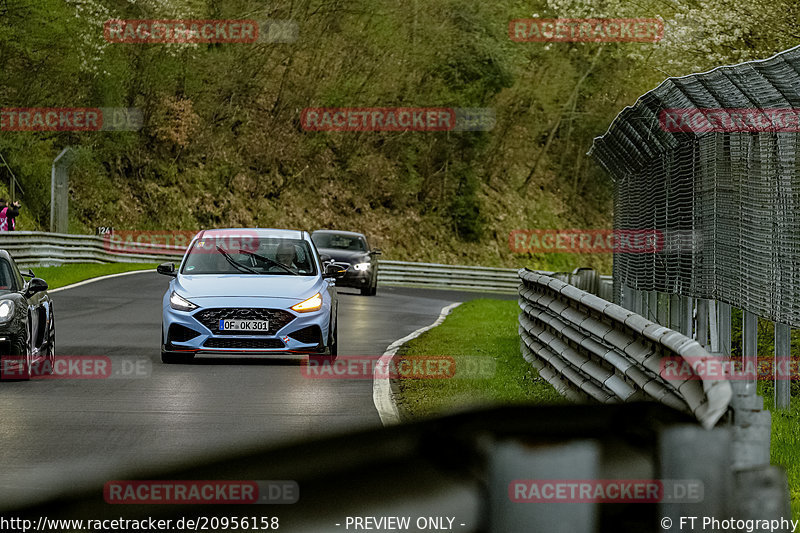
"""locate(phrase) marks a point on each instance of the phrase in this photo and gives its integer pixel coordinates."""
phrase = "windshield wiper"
(237, 266)
(287, 268)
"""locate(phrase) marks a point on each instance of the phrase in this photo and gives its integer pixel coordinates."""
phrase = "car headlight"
(6, 310)
(311, 304)
(362, 266)
(180, 303)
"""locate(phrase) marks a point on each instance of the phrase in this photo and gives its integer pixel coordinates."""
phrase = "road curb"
(382, 394)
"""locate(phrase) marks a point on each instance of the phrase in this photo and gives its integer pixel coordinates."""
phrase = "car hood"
(347, 256)
(278, 286)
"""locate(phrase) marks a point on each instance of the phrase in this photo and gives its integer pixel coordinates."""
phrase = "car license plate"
(243, 325)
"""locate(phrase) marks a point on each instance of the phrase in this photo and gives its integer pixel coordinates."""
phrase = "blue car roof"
(340, 232)
(256, 232)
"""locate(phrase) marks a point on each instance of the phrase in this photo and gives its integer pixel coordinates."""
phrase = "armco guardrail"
(587, 347)
(454, 277)
(38, 248)
(480, 278)
(590, 348)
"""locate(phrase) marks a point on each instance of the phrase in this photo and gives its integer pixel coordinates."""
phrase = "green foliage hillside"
(222, 143)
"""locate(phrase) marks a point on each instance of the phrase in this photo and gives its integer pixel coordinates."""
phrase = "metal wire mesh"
(726, 202)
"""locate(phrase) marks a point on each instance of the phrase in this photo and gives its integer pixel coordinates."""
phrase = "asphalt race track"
(74, 433)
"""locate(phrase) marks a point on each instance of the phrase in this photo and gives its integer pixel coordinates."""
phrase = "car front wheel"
(371, 289)
(333, 348)
(51, 346)
(18, 364)
(333, 343)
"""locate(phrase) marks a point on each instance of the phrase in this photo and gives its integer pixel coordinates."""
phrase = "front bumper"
(195, 331)
(355, 279)
(9, 340)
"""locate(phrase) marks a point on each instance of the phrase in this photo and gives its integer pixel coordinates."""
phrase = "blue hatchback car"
(250, 291)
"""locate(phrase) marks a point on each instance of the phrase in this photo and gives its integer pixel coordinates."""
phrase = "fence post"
(576, 459)
(638, 302)
(687, 316)
(750, 346)
(59, 192)
(652, 306)
(662, 313)
(702, 322)
(783, 344)
(724, 325)
(675, 312)
(713, 326)
(628, 297)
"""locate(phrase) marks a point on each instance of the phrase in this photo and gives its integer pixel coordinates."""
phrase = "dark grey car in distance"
(350, 250)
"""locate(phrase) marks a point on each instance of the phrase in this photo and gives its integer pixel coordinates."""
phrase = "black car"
(351, 251)
(27, 323)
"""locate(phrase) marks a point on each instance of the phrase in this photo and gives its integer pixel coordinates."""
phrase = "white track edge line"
(100, 278)
(382, 395)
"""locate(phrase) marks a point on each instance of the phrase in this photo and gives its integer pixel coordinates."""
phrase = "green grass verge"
(480, 328)
(785, 444)
(59, 276)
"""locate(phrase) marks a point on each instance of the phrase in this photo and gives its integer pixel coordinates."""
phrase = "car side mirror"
(325, 258)
(334, 271)
(35, 285)
(376, 251)
(168, 269)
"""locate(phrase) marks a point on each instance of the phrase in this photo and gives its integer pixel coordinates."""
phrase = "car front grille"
(277, 318)
(240, 344)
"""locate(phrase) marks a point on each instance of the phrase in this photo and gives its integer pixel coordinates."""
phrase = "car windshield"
(6, 276)
(250, 256)
(338, 241)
